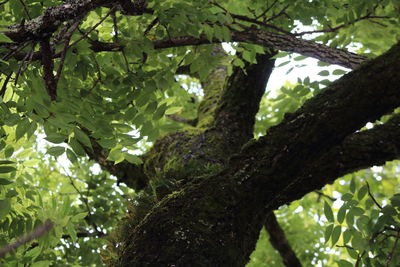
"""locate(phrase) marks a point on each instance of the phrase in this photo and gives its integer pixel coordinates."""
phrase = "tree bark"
(215, 221)
(278, 240)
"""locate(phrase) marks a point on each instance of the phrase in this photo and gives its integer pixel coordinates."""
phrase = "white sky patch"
(298, 69)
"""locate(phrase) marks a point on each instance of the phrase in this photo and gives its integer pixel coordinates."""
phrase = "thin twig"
(390, 256)
(67, 37)
(282, 12)
(267, 9)
(93, 28)
(32, 53)
(116, 39)
(255, 21)
(21, 66)
(372, 197)
(38, 232)
(25, 9)
(4, 87)
(334, 29)
(84, 199)
(11, 53)
(345, 246)
(320, 194)
(151, 25)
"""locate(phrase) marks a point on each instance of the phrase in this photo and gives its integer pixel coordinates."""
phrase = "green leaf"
(133, 159)
(116, 155)
(358, 242)
(78, 217)
(352, 252)
(5, 207)
(173, 110)
(389, 210)
(347, 197)
(2, 162)
(339, 72)
(76, 147)
(328, 212)
(22, 128)
(56, 151)
(395, 200)
(299, 58)
(283, 64)
(357, 211)
(71, 231)
(82, 137)
(9, 150)
(5, 181)
(353, 185)
(362, 192)
(336, 234)
(33, 253)
(7, 169)
(347, 236)
(349, 218)
(71, 156)
(328, 232)
(323, 64)
(344, 263)
(56, 138)
(341, 214)
(323, 73)
(4, 38)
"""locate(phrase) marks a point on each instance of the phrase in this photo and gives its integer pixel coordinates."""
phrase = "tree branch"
(48, 66)
(240, 99)
(264, 175)
(38, 232)
(357, 151)
(279, 241)
(46, 24)
(283, 42)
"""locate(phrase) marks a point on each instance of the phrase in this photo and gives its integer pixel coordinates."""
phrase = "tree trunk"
(215, 220)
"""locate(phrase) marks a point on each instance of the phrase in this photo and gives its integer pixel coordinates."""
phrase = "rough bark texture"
(216, 221)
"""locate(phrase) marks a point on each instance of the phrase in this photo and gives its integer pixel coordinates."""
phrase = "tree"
(145, 90)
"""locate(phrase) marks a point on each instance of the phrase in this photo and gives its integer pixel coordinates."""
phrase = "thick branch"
(278, 240)
(212, 88)
(46, 24)
(358, 151)
(263, 176)
(325, 120)
(239, 102)
(48, 67)
(283, 42)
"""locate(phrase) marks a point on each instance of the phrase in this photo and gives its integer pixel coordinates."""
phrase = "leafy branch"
(38, 232)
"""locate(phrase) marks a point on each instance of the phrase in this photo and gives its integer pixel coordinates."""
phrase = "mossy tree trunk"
(207, 190)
